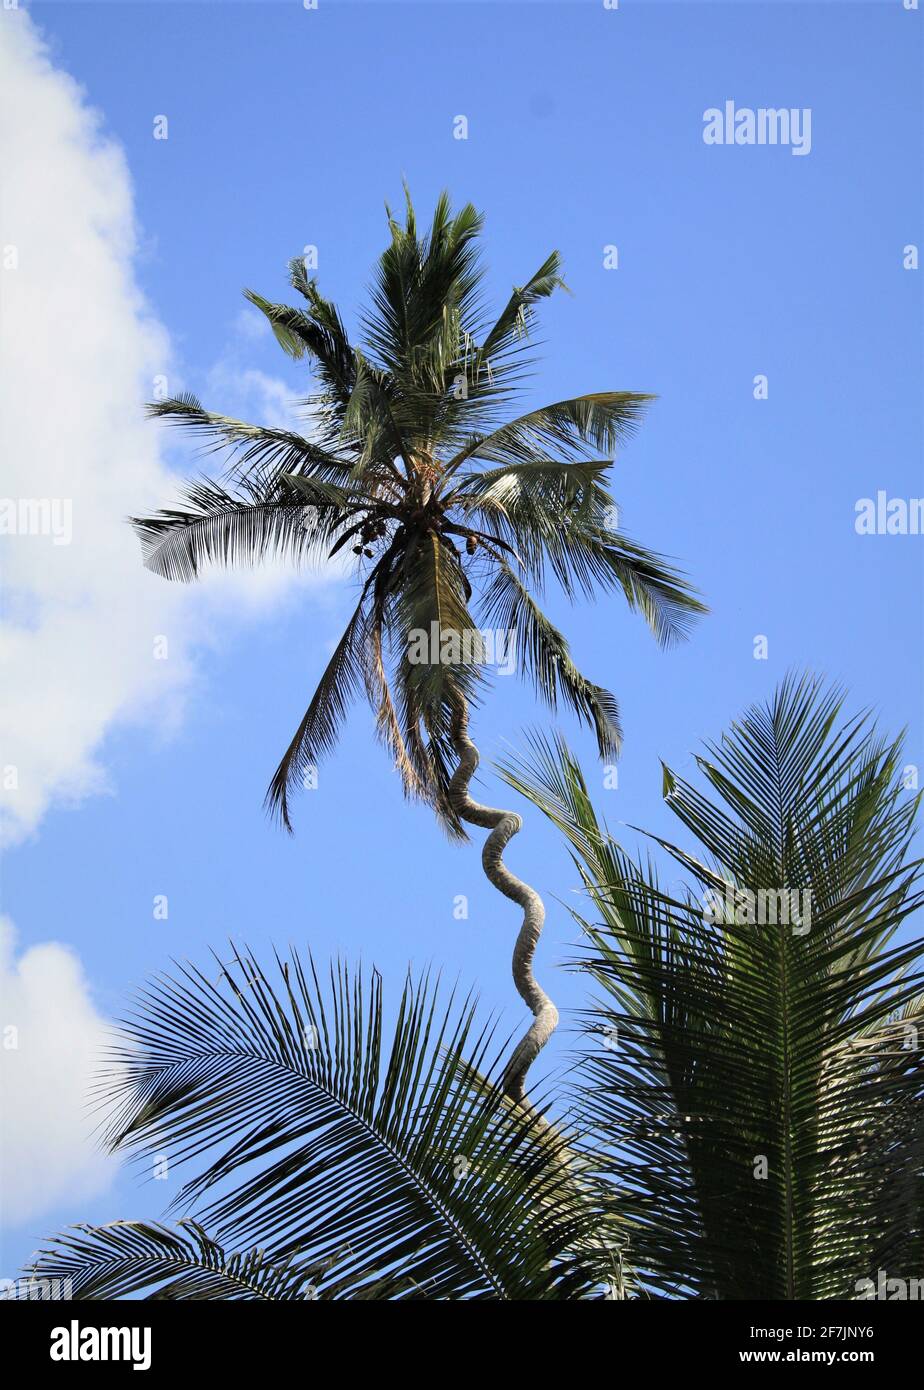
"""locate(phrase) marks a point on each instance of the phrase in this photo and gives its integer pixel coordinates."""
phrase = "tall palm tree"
(410, 458)
(759, 1090)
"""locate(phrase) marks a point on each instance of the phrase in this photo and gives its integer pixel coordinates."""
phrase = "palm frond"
(431, 604)
(599, 421)
(131, 1258)
(420, 282)
(317, 333)
(532, 506)
(559, 513)
(652, 586)
(544, 655)
(396, 1167)
(257, 454)
(212, 525)
(513, 321)
(319, 727)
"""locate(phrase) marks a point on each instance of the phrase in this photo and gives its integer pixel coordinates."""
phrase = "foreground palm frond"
(754, 1065)
(131, 1257)
(363, 1166)
(455, 512)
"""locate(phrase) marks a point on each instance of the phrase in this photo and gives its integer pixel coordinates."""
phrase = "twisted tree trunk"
(503, 825)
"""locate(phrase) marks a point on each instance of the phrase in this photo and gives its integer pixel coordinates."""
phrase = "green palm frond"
(320, 725)
(558, 513)
(131, 1258)
(533, 506)
(545, 657)
(316, 333)
(297, 520)
(432, 599)
(293, 329)
(419, 282)
(599, 421)
(369, 424)
(765, 1130)
(379, 1159)
(650, 584)
(258, 454)
(512, 323)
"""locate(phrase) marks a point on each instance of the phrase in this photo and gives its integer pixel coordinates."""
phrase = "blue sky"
(290, 127)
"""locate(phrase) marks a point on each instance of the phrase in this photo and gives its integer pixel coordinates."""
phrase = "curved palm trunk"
(503, 826)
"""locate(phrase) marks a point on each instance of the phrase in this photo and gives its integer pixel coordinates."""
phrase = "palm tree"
(407, 458)
(760, 1094)
(744, 1118)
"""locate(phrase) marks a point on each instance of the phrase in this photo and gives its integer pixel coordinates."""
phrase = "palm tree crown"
(412, 460)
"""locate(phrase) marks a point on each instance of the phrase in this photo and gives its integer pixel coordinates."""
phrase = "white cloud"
(79, 352)
(51, 1041)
